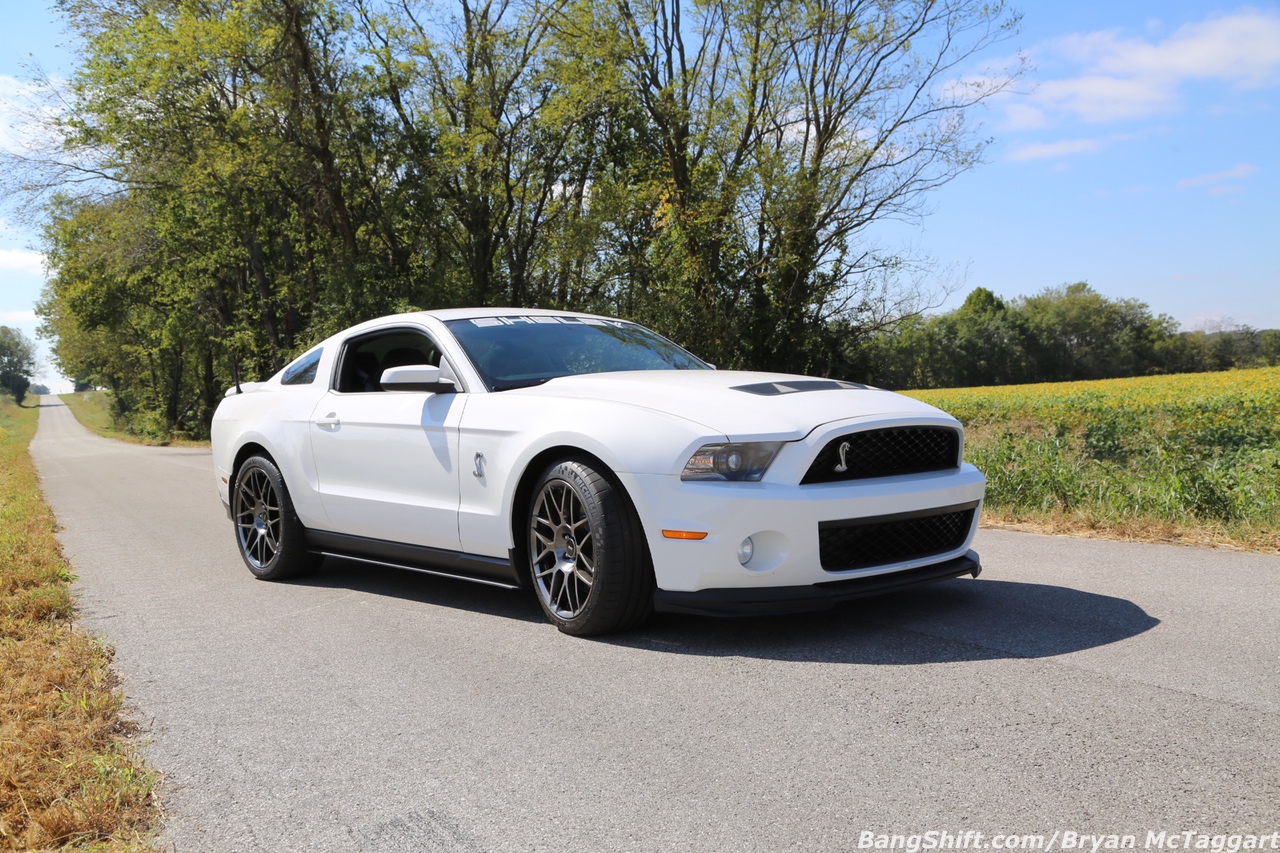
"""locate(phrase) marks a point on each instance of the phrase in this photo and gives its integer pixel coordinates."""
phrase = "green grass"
(1192, 458)
(70, 777)
(93, 410)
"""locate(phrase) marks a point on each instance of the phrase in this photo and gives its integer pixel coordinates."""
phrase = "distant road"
(1078, 686)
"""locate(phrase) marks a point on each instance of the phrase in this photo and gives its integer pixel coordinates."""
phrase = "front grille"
(860, 543)
(884, 453)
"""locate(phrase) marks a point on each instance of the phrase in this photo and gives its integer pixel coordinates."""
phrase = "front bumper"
(784, 522)
(772, 601)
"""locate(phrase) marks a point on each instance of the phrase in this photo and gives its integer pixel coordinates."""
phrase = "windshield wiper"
(521, 383)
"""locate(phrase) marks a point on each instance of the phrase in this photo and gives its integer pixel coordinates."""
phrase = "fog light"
(745, 550)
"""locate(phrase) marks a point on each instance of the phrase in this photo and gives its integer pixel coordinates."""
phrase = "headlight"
(745, 461)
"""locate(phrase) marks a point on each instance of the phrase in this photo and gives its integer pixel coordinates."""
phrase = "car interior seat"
(366, 372)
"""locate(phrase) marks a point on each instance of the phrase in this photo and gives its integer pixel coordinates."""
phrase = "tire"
(588, 560)
(271, 539)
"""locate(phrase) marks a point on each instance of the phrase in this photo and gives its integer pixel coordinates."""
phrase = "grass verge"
(70, 777)
(93, 410)
(1191, 459)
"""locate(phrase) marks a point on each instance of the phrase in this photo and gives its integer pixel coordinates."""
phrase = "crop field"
(1190, 457)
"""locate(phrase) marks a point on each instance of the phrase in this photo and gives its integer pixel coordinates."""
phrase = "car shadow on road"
(337, 573)
(956, 620)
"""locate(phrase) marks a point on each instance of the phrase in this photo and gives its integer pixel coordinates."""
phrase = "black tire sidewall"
(617, 559)
(291, 557)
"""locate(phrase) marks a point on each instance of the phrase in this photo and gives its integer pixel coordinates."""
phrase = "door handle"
(329, 420)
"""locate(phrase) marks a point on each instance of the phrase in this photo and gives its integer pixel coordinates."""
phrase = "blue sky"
(1140, 154)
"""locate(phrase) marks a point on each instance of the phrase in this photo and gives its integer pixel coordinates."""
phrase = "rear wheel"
(587, 555)
(272, 540)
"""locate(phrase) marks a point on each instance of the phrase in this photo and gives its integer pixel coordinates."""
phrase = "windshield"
(516, 352)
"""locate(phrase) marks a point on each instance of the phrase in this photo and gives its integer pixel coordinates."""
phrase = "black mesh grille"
(885, 452)
(864, 542)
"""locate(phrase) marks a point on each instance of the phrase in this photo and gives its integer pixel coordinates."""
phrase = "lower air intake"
(861, 543)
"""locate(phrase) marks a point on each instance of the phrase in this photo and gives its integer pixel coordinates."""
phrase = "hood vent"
(796, 386)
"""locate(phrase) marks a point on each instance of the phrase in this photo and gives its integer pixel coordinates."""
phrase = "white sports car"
(595, 462)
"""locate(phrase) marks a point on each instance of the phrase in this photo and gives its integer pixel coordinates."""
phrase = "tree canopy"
(17, 362)
(240, 178)
(1064, 333)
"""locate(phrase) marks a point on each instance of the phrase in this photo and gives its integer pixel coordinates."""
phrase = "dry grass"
(70, 776)
(1149, 531)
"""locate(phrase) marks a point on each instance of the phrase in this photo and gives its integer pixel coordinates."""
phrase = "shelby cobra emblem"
(844, 460)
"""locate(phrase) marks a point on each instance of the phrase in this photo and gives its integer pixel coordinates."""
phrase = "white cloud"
(1243, 170)
(18, 317)
(1242, 48)
(1046, 150)
(1024, 117)
(1110, 77)
(1097, 98)
(22, 260)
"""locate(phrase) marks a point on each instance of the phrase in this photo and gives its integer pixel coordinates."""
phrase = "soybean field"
(1190, 457)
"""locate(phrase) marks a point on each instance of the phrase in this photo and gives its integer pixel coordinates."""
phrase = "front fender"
(502, 435)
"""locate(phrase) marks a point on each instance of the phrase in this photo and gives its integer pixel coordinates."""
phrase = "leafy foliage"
(1067, 333)
(17, 362)
(241, 179)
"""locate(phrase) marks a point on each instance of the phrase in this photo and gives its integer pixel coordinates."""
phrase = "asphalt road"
(1077, 686)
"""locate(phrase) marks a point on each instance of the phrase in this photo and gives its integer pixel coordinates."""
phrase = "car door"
(387, 461)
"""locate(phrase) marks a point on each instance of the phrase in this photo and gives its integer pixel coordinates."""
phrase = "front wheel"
(271, 539)
(587, 555)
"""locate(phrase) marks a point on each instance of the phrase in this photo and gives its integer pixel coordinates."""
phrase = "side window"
(302, 371)
(366, 357)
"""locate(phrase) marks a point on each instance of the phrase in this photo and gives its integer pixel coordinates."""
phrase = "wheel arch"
(524, 495)
(248, 449)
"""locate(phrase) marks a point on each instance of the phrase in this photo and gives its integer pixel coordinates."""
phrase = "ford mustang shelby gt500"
(595, 462)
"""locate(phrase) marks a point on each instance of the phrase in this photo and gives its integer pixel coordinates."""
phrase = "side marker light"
(693, 535)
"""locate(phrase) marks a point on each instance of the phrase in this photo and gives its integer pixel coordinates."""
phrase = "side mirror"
(416, 377)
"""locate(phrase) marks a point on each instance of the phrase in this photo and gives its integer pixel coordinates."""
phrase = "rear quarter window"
(302, 371)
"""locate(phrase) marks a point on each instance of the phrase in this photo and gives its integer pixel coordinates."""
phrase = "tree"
(1063, 333)
(241, 178)
(1077, 333)
(17, 362)
(235, 216)
(779, 131)
(985, 343)
(1269, 347)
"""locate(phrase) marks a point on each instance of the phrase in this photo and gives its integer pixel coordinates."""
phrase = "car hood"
(741, 405)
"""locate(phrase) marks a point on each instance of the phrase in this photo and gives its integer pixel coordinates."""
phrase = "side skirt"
(491, 571)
